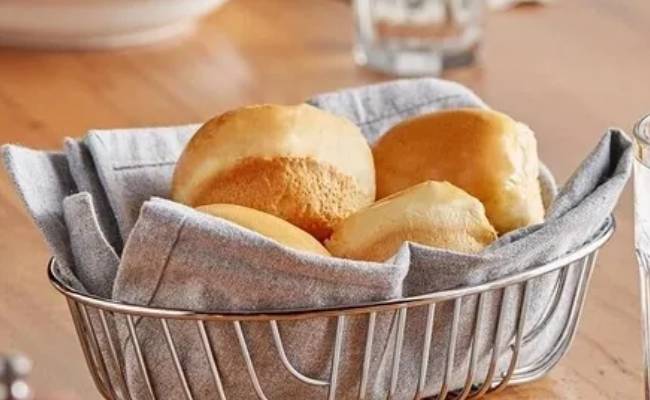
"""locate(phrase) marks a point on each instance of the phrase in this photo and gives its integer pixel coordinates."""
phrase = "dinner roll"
(267, 225)
(300, 163)
(484, 152)
(436, 214)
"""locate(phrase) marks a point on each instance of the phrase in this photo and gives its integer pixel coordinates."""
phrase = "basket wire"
(108, 371)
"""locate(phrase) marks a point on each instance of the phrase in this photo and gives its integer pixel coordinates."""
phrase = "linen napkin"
(136, 164)
(375, 108)
(233, 269)
(43, 180)
(84, 174)
(89, 245)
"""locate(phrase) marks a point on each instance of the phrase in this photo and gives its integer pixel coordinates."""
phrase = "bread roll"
(267, 225)
(299, 163)
(484, 152)
(436, 214)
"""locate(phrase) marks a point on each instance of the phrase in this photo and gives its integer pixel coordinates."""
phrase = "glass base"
(413, 63)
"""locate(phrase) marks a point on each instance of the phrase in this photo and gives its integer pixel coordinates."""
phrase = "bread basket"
(93, 318)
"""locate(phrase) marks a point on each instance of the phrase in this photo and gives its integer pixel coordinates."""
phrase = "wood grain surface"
(570, 70)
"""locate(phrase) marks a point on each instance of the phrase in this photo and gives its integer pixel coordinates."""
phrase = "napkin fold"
(169, 238)
(136, 164)
(176, 257)
(43, 180)
(237, 270)
(89, 245)
(376, 108)
(84, 174)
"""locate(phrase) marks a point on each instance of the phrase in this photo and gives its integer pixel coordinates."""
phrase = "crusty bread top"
(267, 225)
(432, 213)
(310, 195)
(268, 131)
(484, 152)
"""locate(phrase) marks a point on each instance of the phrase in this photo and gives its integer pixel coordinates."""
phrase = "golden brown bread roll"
(267, 225)
(484, 152)
(299, 163)
(437, 214)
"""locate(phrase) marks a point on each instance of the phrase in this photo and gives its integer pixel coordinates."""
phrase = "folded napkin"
(176, 257)
(43, 180)
(136, 164)
(89, 245)
(84, 174)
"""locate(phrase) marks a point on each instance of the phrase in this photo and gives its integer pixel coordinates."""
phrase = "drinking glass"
(417, 37)
(642, 231)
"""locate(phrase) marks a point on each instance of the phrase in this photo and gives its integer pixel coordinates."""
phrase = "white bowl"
(83, 24)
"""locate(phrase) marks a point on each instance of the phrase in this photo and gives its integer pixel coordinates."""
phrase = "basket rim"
(603, 235)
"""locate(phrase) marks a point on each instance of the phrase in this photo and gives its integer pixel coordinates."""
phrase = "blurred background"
(568, 68)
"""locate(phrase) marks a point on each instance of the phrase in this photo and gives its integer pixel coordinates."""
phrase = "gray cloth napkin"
(43, 180)
(84, 173)
(375, 108)
(169, 238)
(179, 258)
(136, 164)
(217, 265)
(90, 246)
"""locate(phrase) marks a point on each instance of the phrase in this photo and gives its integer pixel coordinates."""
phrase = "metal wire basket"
(103, 351)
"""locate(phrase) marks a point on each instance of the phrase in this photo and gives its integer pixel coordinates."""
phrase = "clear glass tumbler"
(642, 232)
(417, 37)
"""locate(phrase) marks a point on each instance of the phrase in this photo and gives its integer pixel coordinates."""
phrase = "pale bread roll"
(436, 214)
(484, 152)
(299, 163)
(266, 225)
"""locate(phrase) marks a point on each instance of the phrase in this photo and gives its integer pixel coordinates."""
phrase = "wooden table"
(569, 70)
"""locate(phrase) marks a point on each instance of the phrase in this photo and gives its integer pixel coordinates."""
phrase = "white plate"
(83, 24)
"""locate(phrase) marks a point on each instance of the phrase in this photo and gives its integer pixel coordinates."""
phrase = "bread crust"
(436, 214)
(386, 246)
(486, 153)
(307, 193)
(266, 225)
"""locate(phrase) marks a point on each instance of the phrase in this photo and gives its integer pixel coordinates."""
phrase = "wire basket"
(93, 318)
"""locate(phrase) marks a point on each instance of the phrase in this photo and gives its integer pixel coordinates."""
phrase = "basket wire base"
(92, 319)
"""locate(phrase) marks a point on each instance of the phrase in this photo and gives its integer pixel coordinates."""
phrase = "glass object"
(642, 231)
(417, 37)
